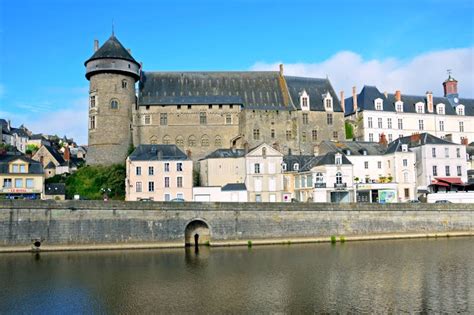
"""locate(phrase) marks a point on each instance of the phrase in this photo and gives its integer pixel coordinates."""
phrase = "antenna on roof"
(113, 33)
(449, 72)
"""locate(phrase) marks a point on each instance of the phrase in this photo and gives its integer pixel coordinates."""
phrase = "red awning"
(438, 183)
(450, 180)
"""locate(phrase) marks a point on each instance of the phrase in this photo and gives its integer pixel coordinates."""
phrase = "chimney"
(160, 154)
(429, 101)
(354, 98)
(343, 105)
(385, 93)
(398, 96)
(281, 69)
(449, 137)
(96, 45)
(246, 148)
(67, 154)
(383, 140)
(464, 141)
(415, 138)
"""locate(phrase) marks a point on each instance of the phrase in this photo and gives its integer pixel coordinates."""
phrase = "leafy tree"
(32, 148)
(349, 130)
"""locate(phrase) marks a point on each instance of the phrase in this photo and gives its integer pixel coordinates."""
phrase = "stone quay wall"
(98, 222)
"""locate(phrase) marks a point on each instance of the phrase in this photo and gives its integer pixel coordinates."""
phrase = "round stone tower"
(112, 73)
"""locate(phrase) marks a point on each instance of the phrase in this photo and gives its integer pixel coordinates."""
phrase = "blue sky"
(404, 45)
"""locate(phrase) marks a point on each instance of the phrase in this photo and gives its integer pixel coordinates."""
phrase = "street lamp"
(105, 192)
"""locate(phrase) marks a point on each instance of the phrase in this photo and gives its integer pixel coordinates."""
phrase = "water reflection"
(369, 277)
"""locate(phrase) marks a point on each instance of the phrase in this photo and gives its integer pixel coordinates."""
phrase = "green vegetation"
(349, 130)
(333, 239)
(6, 147)
(249, 243)
(342, 239)
(88, 182)
(207, 243)
(32, 148)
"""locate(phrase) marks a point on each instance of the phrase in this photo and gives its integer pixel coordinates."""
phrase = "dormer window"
(378, 104)
(338, 159)
(327, 99)
(296, 167)
(347, 152)
(420, 108)
(283, 167)
(460, 110)
(399, 106)
(304, 100)
(404, 148)
(440, 109)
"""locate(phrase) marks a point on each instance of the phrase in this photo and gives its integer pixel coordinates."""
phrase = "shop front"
(20, 193)
(377, 193)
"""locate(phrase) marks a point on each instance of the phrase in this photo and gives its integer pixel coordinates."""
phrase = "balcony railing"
(319, 185)
(340, 186)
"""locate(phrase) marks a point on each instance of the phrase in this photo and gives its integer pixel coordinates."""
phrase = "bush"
(249, 243)
(342, 239)
(333, 239)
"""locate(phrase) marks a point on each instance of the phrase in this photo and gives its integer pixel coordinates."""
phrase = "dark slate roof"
(37, 137)
(291, 160)
(55, 153)
(315, 88)
(366, 97)
(34, 166)
(234, 187)
(326, 159)
(50, 165)
(112, 49)
(395, 146)
(20, 132)
(55, 189)
(423, 139)
(225, 153)
(253, 89)
(157, 152)
(354, 147)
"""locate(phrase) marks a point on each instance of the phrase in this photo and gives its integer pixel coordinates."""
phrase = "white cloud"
(413, 76)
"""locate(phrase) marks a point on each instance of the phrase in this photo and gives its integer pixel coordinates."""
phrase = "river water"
(435, 275)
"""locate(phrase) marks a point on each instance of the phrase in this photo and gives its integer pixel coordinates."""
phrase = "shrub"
(249, 243)
(333, 239)
(342, 239)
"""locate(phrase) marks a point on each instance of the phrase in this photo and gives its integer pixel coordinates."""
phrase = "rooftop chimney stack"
(343, 105)
(354, 98)
(383, 140)
(398, 95)
(96, 45)
(281, 69)
(429, 101)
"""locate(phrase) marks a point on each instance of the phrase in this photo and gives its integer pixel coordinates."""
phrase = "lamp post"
(106, 192)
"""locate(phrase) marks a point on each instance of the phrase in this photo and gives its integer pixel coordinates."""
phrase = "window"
(218, 142)
(190, 107)
(319, 177)
(272, 133)
(179, 196)
(446, 152)
(179, 167)
(256, 134)
(407, 193)
(448, 173)
(420, 108)
(305, 119)
(296, 167)
(379, 122)
(180, 141)
(305, 101)
(378, 105)
(114, 104)
(461, 126)
(7, 183)
(338, 178)
(228, 119)
(288, 135)
(458, 168)
(151, 186)
(92, 122)
(179, 182)
(178, 107)
(379, 164)
(400, 123)
(264, 153)
(167, 182)
(458, 152)
(167, 197)
(163, 119)
(371, 137)
(303, 181)
(138, 170)
(328, 103)
(151, 170)
(405, 162)
(338, 159)
(303, 136)
(256, 168)
(192, 141)
(405, 177)
(366, 165)
(404, 148)
(204, 141)
(18, 183)
(202, 118)
(334, 135)
(283, 166)
(147, 119)
(22, 168)
(390, 137)
(309, 181)
(440, 109)
(433, 152)
(399, 108)
(220, 106)
(314, 135)
(210, 106)
(167, 167)
(421, 124)
(138, 187)
(389, 123)
(435, 170)
(460, 110)
(166, 139)
(369, 122)
(441, 125)
(329, 119)
(92, 101)
(124, 84)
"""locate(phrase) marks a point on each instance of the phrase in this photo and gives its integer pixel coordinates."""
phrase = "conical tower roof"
(112, 49)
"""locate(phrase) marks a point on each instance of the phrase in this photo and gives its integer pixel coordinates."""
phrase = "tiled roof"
(326, 159)
(315, 88)
(34, 166)
(234, 187)
(157, 152)
(113, 49)
(225, 153)
(291, 160)
(423, 139)
(354, 147)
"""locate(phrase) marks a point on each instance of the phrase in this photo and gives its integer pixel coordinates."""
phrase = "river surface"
(435, 275)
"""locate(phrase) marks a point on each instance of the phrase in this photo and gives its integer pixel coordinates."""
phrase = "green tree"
(32, 148)
(349, 130)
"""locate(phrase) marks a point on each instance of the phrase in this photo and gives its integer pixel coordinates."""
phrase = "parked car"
(177, 200)
(443, 201)
(414, 201)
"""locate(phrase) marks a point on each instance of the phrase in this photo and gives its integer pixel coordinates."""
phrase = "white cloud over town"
(416, 75)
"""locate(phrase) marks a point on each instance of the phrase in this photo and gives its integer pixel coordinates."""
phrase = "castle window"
(314, 135)
(124, 83)
(400, 124)
(256, 134)
(305, 119)
(379, 122)
(114, 104)
(204, 141)
(192, 141)
(218, 142)
(220, 106)
(272, 133)
(147, 119)
(283, 166)
(92, 101)
(303, 136)
(228, 119)
(92, 122)
(389, 123)
(180, 141)
(288, 135)
(151, 170)
(210, 106)
(163, 119)
(256, 168)
(202, 118)
(369, 122)
(328, 103)
(179, 167)
(231, 106)
(334, 135)
(178, 107)
(166, 139)
(329, 119)
(338, 178)
(138, 171)
(151, 186)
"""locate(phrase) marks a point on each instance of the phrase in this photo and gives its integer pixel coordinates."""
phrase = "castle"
(203, 111)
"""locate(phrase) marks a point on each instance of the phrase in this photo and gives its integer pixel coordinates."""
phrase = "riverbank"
(229, 243)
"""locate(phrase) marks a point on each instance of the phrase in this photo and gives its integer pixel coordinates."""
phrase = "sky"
(394, 45)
